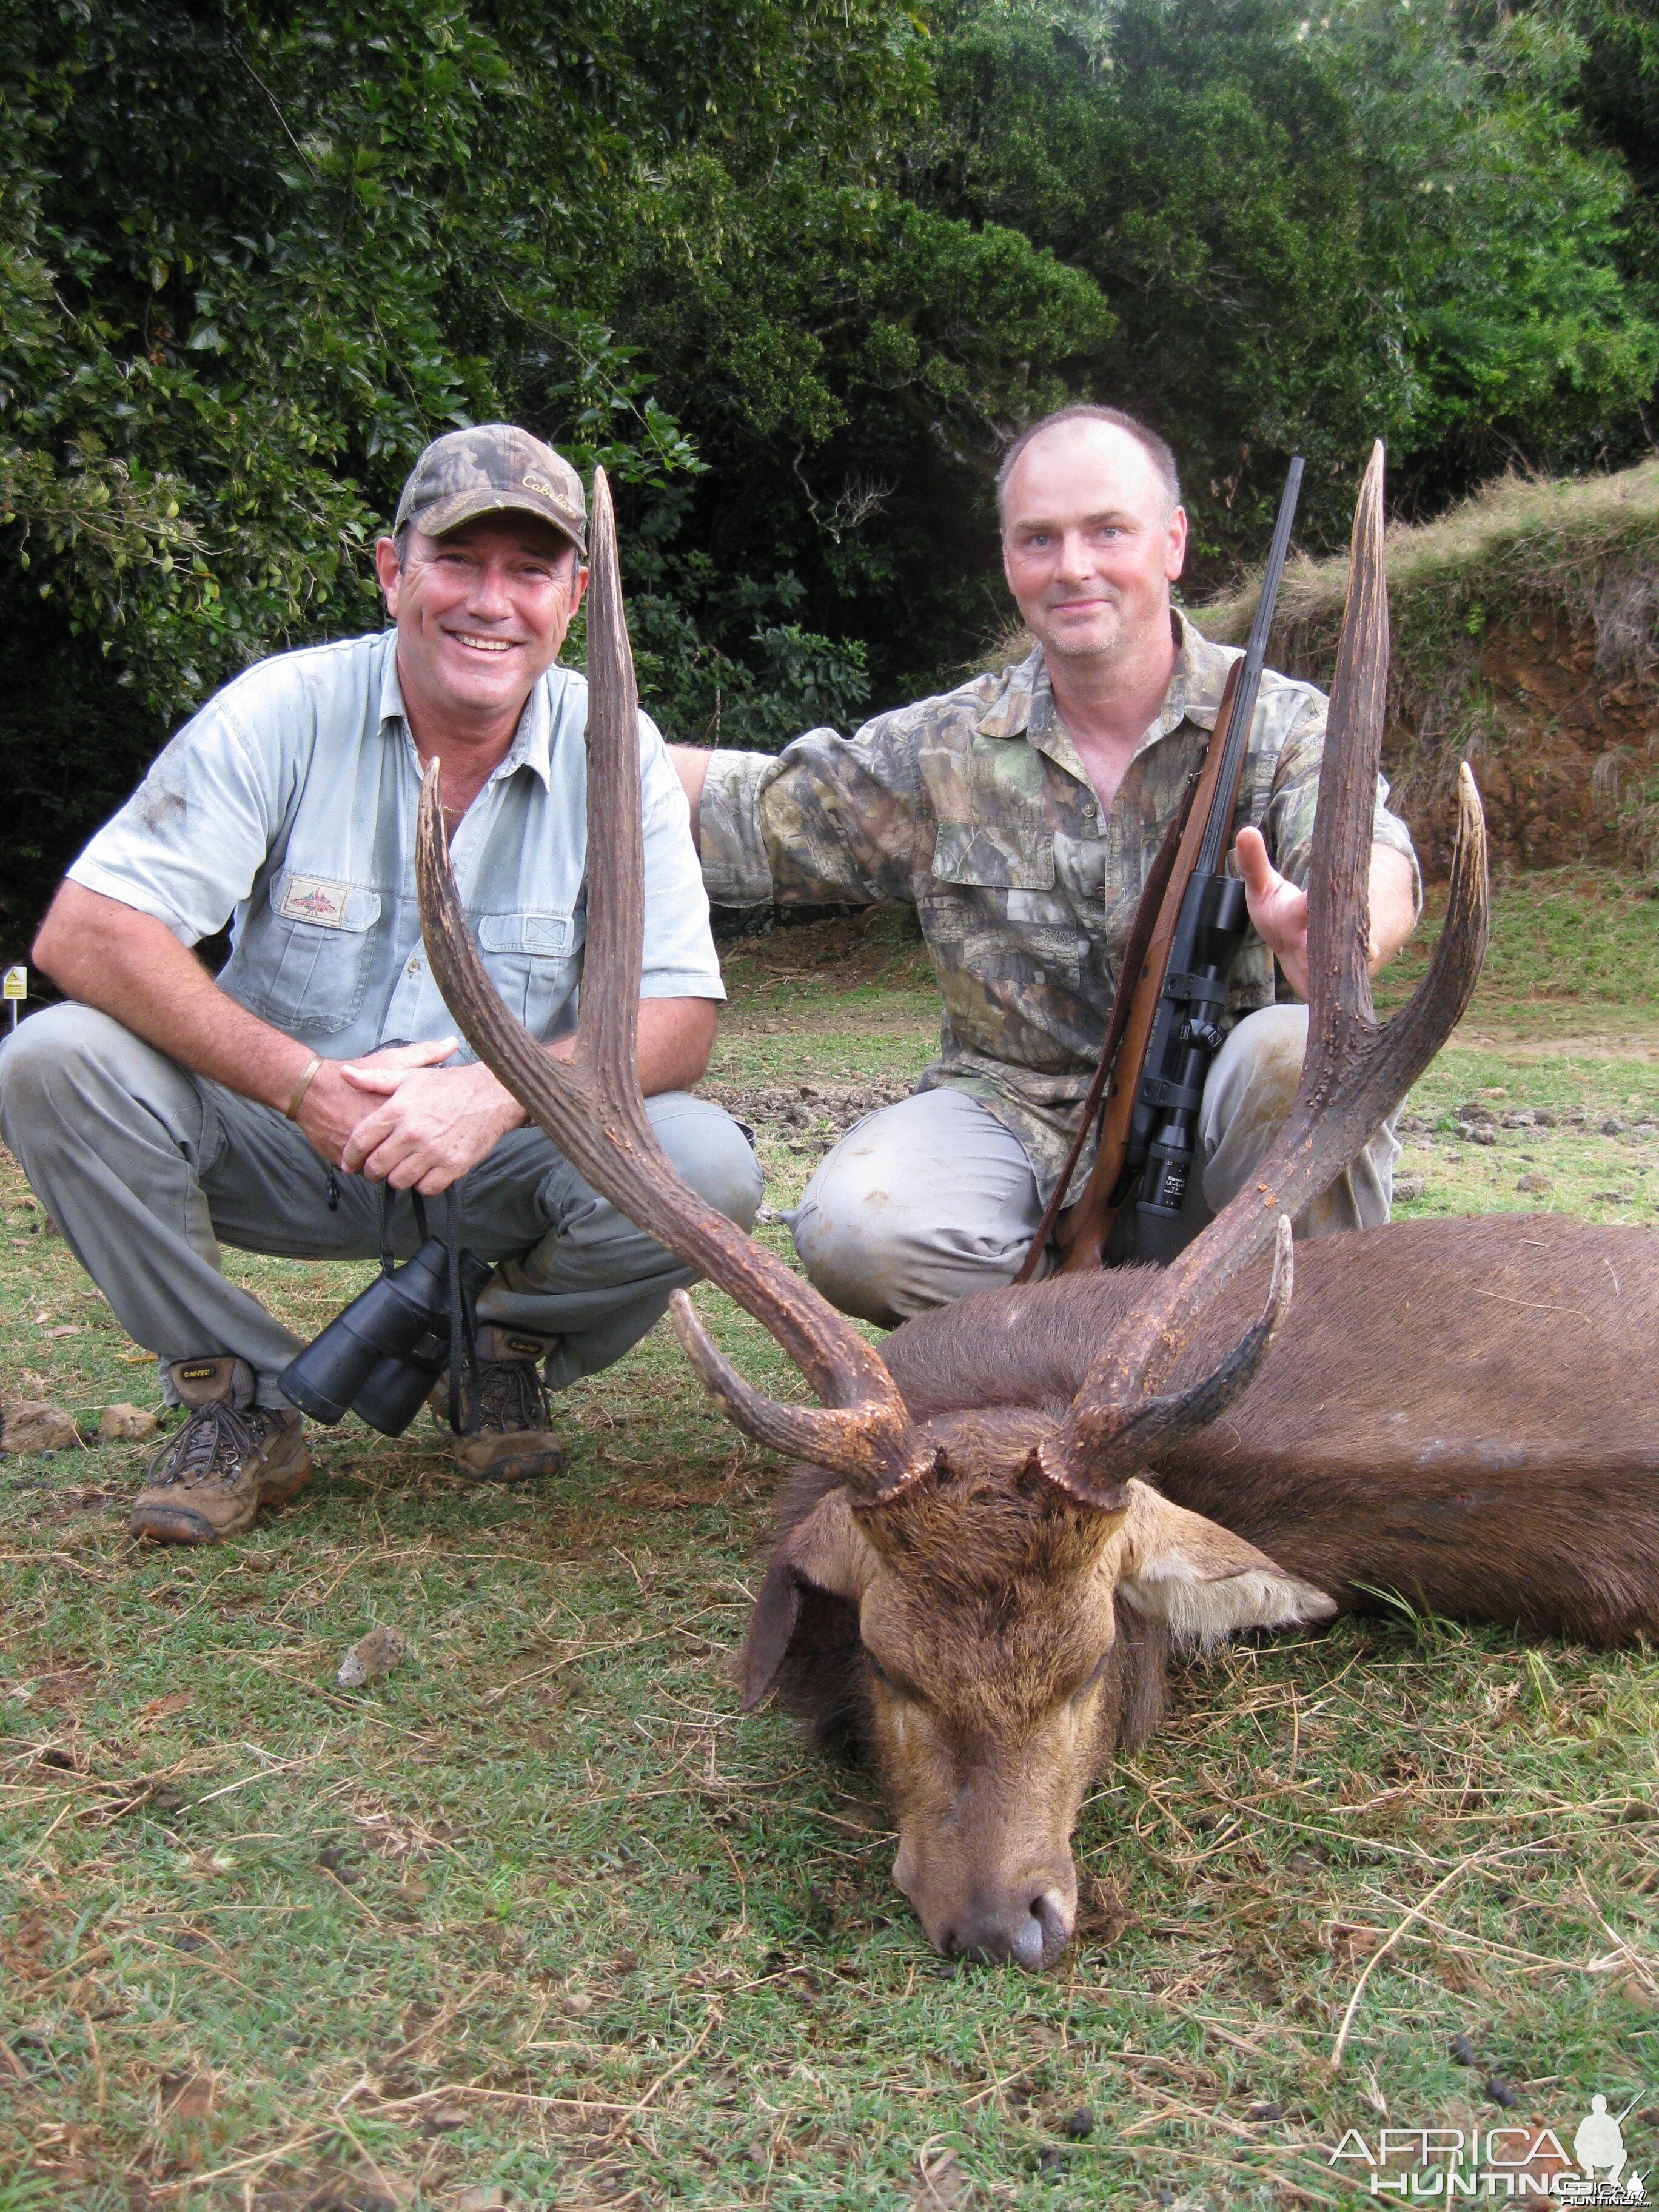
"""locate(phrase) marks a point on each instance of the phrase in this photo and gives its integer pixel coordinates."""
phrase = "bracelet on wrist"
(292, 1109)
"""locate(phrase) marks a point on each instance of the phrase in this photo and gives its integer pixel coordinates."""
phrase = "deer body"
(1464, 1411)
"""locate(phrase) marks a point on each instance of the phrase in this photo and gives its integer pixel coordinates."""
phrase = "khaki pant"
(146, 1169)
(924, 1201)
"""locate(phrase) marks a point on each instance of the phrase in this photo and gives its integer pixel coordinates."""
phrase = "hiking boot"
(229, 1459)
(514, 1440)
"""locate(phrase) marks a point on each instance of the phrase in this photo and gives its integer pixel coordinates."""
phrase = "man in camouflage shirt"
(1019, 815)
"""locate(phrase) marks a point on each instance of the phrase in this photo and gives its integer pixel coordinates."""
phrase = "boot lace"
(513, 1396)
(213, 1443)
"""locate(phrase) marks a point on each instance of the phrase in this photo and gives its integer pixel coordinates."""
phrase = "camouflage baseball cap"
(492, 469)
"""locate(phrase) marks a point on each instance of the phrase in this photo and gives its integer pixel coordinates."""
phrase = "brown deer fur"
(1500, 1464)
(1463, 1412)
(990, 1645)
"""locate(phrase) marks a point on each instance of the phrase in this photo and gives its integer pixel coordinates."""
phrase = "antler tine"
(590, 1105)
(1355, 1072)
(608, 1020)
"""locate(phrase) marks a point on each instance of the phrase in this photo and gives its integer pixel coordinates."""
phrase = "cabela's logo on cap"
(534, 483)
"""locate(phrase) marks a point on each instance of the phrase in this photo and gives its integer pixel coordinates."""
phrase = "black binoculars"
(379, 1358)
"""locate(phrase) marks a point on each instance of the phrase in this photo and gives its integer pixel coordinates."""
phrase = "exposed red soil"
(1554, 722)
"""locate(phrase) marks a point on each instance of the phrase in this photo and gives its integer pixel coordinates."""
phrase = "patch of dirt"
(1562, 742)
(806, 1115)
(838, 949)
(1594, 1044)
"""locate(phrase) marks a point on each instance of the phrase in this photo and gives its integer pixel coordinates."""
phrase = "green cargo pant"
(922, 1202)
(146, 1169)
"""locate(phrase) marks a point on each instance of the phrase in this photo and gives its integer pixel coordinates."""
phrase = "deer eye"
(887, 1681)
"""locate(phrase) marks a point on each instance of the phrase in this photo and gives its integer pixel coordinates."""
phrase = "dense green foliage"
(794, 270)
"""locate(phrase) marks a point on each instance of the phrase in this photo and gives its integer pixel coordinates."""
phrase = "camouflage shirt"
(976, 809)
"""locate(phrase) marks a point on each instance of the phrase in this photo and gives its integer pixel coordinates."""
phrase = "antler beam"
(589, 1104)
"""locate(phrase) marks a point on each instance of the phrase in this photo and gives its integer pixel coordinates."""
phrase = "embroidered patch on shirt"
(308, 898)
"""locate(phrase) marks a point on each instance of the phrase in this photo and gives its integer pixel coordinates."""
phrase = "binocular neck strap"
(388, 1199)
(462, 1333)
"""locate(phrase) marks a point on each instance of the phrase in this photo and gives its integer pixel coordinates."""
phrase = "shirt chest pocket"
(996, 912)
(310, 973)
(1017, 856)
(531, 958)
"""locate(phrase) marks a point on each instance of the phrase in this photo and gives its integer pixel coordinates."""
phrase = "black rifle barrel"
(1211, 852)
(1210, 926)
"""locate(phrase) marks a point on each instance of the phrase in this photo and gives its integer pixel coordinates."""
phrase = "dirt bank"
(1564, 753)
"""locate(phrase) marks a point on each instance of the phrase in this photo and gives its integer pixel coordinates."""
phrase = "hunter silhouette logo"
(1599, 2148)
(1506, 2162)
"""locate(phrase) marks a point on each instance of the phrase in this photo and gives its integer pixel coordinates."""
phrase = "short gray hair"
(1157, 452)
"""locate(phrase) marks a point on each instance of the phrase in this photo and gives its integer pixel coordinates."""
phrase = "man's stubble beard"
(1115, 647)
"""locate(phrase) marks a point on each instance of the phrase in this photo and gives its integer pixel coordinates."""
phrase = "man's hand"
(1279, 911)
(130, 966)
(433, 1123)
(430, 1125)
(334, 1105)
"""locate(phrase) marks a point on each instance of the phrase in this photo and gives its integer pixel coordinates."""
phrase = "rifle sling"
(1161, 894)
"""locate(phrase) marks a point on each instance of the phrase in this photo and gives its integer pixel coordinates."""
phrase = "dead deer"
(1002, 1517)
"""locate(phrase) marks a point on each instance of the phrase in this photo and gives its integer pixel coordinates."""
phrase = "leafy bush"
(795, 270)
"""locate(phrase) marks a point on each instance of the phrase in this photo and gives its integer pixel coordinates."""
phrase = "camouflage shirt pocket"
(993, 856)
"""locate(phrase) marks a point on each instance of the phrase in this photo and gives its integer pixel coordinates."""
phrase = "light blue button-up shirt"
(288, 807)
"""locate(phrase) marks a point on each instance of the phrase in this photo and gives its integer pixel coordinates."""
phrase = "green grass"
(542, 1914)
(1574, 952)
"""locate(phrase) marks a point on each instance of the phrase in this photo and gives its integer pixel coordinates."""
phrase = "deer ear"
(771, 1624)
(1203, 1581)
(827, 1551)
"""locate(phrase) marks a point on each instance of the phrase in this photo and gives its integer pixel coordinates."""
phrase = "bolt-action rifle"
(1172, 987)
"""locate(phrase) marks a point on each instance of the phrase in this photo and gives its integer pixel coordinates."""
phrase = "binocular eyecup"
(380, 1357)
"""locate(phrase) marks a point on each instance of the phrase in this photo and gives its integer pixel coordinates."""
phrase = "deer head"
(999, 1575)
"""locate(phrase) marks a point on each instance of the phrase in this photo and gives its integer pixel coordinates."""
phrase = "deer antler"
(589, 1104)
(1354, 1075)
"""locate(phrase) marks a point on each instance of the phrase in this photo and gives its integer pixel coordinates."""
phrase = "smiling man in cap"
(162, 1111)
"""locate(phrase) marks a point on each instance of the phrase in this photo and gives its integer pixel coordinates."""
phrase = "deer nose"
(1029, 1928)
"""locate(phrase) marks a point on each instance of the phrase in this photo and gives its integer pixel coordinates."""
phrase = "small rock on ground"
(126, 1424)
(31, 1425)
(1534, 1183)
(371, 1657)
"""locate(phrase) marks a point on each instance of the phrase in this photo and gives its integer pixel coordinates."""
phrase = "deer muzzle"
(1022, 1916)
